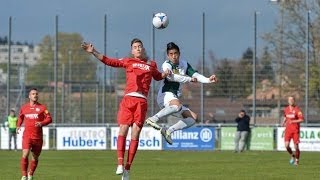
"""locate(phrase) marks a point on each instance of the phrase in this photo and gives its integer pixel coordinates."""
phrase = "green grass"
(165, 165)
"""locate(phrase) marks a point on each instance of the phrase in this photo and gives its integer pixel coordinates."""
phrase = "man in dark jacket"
(243, 129)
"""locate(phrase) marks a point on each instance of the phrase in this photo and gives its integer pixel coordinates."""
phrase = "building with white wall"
(19, 53)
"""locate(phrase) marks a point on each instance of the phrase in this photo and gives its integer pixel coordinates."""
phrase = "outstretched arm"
(180, 78)
(200, 78)
(176, 77)
(203, 79)
(88, 47)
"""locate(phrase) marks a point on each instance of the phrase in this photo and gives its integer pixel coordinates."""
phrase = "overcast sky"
(229, 23)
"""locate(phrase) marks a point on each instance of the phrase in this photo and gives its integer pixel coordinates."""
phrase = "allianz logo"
(184, 135)
(204, 135)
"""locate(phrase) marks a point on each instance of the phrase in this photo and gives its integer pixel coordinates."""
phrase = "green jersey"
(181, 73)
(12, 121)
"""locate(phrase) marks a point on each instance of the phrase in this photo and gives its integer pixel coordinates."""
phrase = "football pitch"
(165, 165)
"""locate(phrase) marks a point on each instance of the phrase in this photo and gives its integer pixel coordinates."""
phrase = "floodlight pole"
(103, 114)
(63, 94)
(254, 69)
(202, 67)
(55, 70)
(307, 67)
(280, 58)
(153, 58)
(9, 66)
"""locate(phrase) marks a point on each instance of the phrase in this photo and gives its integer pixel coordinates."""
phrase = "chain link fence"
(78, 89)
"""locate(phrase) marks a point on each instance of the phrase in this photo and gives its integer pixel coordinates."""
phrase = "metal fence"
(78, 89)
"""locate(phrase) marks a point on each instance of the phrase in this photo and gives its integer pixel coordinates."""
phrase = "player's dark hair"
(136, 40)
(172, 45)
(33, 89)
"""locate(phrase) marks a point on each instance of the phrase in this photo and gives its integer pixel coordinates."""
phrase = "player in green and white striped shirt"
(170, 91)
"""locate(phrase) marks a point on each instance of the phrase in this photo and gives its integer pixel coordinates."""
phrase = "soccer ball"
(160, 20)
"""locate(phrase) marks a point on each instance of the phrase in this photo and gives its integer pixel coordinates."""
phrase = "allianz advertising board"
(195, 138)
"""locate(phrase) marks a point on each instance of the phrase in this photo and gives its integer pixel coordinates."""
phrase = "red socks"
(132, 152)
(289, 150)
(24, 166)
(33, 167)
(297, 153)
(121, 148)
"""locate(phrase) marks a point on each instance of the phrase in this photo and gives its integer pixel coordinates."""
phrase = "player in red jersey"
(292, 119)
(133, 107)
(34, 115)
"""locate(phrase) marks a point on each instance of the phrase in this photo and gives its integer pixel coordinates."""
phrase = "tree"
(83, 68)
(206, 68)
(224, 72)
(266, 71)
(315, 83)
(4, 40)
(288, 40)
(243, 71)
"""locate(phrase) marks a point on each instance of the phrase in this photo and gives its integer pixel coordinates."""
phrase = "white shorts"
(164, 99)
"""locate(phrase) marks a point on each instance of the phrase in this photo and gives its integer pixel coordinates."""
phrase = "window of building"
(3, 50)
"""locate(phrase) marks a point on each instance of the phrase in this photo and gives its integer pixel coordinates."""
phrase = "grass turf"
(165, 165)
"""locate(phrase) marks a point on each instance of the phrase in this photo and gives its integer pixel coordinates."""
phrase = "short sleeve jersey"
(290, 114)
(29, 115)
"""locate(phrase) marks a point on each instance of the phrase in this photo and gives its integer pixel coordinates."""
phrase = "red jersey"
(30, 115)
(139, 73)
(292, 113)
